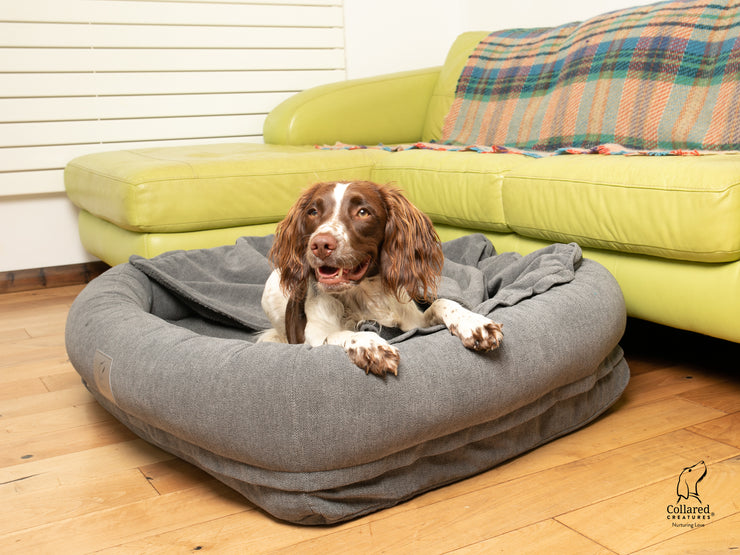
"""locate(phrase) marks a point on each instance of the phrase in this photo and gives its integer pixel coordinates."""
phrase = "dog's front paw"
(478, 332)
(371, 353)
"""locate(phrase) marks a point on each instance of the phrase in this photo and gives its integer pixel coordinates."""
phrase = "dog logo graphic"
(689, 480)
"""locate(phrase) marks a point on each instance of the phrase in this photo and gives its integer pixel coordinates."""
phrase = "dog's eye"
(363, 213)
(312, 212)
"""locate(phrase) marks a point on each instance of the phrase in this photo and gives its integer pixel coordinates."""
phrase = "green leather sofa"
(668, 228)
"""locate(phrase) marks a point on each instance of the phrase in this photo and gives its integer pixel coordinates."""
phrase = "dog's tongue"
(333, 276)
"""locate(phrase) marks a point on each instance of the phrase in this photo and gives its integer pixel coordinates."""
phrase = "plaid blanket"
(664, 76)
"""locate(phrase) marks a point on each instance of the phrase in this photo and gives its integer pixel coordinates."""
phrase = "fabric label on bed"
(102, 366)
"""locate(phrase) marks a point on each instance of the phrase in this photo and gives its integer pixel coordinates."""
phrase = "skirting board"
(55, 276)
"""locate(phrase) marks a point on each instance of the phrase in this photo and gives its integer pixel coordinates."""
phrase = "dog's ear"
(295, 320)
(411, 257)
(682, 488)
(287, 253)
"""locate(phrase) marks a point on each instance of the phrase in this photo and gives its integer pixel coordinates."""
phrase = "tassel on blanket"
(605, 149)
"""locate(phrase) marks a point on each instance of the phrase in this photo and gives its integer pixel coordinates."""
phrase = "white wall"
(386, 35)
(382, 36)
(39, 229)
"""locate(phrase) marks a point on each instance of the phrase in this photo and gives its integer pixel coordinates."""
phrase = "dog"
(688, 481)
(349, 252)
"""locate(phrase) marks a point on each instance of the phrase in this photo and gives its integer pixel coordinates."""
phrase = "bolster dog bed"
(168, 346)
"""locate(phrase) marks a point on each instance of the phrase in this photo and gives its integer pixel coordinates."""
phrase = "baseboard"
(55, 276)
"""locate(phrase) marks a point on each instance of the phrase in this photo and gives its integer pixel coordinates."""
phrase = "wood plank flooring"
(73, 480)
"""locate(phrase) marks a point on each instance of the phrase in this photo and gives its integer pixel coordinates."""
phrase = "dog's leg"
(474, 330)
(367, 350)
(274, 303)
(326, 325)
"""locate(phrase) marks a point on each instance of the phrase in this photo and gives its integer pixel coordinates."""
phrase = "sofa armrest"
(385, 109)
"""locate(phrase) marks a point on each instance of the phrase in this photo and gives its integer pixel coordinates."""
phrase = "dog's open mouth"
(331, 276)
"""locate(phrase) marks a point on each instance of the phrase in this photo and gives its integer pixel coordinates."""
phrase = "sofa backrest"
(661, 76)
(444, 92)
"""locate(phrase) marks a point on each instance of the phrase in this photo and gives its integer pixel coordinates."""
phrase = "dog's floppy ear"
(682, 488)
(289, 248)
(295, 320)
(411, 257)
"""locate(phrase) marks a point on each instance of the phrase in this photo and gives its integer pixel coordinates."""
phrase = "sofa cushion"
(191, 188)
(674, 207)
(456, 188)
(444, 92)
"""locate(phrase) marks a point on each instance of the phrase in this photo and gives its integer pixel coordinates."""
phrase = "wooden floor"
(73, 480)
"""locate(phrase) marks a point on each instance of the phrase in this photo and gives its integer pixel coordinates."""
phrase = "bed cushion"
(167, 345)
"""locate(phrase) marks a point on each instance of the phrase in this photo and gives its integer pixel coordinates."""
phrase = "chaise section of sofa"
(667, 227)
(149, 201)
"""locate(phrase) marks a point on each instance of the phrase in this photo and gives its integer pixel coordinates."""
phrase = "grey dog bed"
(168, 346)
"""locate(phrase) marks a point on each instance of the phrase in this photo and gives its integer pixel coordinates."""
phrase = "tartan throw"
(659, 77)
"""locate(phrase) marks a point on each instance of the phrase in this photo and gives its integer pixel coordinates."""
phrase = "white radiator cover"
(80, 76)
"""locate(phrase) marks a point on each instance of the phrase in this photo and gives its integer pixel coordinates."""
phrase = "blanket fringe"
(605, 149)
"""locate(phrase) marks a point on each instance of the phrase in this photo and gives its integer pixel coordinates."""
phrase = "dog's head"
(688, 480)
(342, 233)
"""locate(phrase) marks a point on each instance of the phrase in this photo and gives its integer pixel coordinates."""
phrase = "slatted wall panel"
(80, 76)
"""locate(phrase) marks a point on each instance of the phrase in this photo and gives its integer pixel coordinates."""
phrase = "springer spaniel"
(353, 252)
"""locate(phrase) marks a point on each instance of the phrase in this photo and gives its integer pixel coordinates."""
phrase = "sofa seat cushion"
(191, 188)
(682, 208)
(455, 188)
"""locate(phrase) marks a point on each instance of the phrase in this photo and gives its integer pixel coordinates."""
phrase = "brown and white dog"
(353, 252)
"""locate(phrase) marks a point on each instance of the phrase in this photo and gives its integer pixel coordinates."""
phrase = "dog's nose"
(323, 245)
